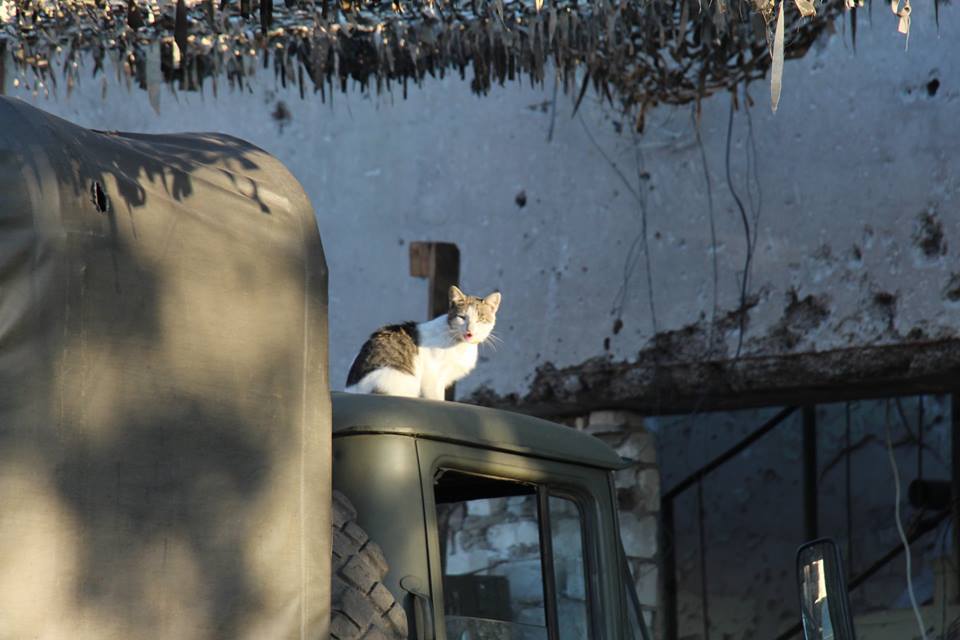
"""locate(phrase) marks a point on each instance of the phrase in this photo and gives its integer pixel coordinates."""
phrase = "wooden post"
(439, 263)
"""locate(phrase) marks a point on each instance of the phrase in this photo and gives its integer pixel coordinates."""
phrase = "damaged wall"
(851, 197)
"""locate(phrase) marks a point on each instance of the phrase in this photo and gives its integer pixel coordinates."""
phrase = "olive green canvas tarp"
(164, 407)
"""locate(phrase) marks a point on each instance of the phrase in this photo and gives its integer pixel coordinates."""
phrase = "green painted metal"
(470, 425)
(380, 475)
(388, 451)
(589, 485)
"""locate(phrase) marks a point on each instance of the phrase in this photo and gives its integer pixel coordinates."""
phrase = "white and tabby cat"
(422, 360)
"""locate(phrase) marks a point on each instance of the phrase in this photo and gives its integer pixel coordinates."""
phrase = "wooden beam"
(657, 386)
(439, 263)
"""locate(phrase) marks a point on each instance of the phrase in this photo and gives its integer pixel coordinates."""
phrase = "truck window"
(494, 540)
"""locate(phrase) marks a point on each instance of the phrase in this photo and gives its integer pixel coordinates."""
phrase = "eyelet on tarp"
(99, 197)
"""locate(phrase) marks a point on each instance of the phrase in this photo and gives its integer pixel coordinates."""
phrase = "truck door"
(518, 545)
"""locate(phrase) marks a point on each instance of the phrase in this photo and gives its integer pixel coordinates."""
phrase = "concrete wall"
(854, 184)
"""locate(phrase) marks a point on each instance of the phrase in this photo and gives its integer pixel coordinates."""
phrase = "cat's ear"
(493, 300)
(455, 295)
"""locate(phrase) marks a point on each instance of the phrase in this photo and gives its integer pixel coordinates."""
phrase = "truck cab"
(495, 524)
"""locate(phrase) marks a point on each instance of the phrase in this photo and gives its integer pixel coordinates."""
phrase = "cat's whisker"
(493, 340)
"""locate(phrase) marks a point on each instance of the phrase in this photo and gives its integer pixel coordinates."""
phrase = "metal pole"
(955, 476)
(702, 534)
(920, 437)
(810, 472)
(700, 473)
(668, 548)
(549, 578)
(848, 493)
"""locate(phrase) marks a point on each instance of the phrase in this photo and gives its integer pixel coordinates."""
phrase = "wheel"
(361, 608)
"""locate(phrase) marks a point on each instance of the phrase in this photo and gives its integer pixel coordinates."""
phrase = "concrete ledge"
(656, 387)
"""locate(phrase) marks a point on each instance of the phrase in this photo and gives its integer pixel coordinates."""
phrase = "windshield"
(635, 623)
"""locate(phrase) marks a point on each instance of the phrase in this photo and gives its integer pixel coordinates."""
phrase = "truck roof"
(355, 414)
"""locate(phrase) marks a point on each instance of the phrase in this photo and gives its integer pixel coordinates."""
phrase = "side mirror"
(824, 606)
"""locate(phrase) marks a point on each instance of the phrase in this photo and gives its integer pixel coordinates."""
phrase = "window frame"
(589, 563)
(585, 486)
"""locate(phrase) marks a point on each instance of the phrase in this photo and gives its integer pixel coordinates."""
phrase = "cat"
(422, 360)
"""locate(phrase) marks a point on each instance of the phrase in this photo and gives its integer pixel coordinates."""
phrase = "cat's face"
(472, 318)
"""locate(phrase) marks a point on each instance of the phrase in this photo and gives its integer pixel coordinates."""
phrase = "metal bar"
(920, 437)
(549, 578)
(810, 472)
(923, 527)
(702, 534)
(848, 492)
(668, 549)
(632, 594)
(697, 475)
(955, 473)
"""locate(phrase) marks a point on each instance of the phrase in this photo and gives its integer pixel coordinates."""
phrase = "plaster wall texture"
(855, 186)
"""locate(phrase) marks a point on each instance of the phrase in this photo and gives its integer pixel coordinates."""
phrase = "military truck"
(169, 448)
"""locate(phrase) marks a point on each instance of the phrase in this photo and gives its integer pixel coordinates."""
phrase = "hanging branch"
(636, 53)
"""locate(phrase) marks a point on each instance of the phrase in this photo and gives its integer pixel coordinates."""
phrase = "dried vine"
(636, 53)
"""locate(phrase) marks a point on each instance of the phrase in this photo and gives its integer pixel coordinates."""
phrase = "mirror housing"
(824, 605)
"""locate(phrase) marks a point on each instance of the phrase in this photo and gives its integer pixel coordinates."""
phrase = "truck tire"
(361, 607)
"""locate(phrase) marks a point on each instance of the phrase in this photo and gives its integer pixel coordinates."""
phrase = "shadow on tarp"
(164, 406)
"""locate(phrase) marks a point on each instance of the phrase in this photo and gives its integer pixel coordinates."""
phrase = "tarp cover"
(164, 407)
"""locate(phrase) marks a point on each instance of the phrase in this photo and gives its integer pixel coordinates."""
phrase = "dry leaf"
(640, 50)
(806, 8)
(776, 77)
(904, 15)
(154, 75)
